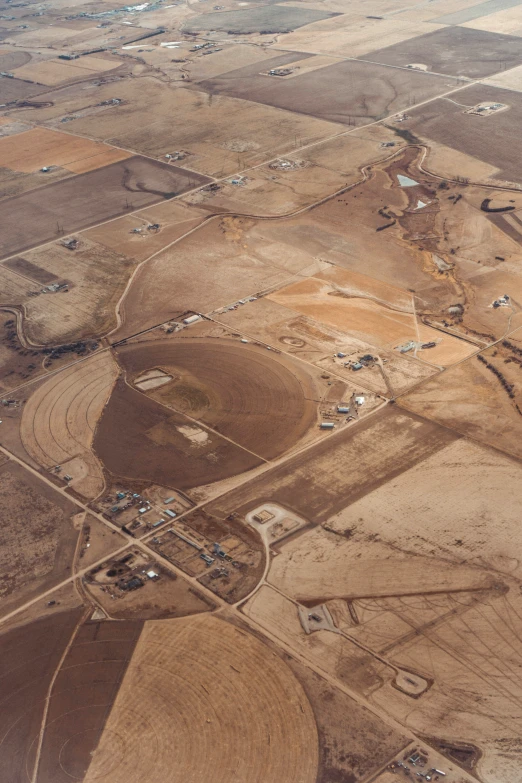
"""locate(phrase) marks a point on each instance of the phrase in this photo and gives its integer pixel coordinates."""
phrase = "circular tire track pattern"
(259, 399)
(205, 701)
(59, 419)
(83, 694)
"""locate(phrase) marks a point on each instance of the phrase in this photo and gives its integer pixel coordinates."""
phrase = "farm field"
(264, 694)
(317, 484)
(257, 400)
(446, 123)
(79, 202)
(138, 438)
(62, 434)
(314, 93)
(260, 391)
(455, 51)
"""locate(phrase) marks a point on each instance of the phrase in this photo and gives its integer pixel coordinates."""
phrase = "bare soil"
(447, 123)
(258, 399)
(30, 655)
(38, 538)
(81, 201)
(245, 693)
(337, 470)
(457, 51)
(137, 438)
(369, 92)
(83, 695)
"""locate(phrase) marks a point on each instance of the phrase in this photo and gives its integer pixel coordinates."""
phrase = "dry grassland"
(335, 654)
(53, 72)
(352, 34)
(60, 418)
(509, 80)
(30, 151)
(38, 538)
(230, 57)
(506, 22)
(320, 565)
(474, 660)
(175, 219)
(222, 134)
(321, 170)
(97, 541)
(235, 709)
(352, 741)
(96, 278)
(216, 265)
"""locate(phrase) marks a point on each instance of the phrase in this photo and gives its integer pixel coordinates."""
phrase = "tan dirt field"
(509, 80)
(338, 470)
(473, 659)
(353, 741)
(231, 133)
(471, 400)
(235, 709)
(39, 147)
(506, 22)
(216, 265)
(315, 342)
(60, 418)
(362, 315)
(320, 565)
(97, 541)
(175, 219)
(53, 72)
(433, 508)
(351, 35)
(335, 654)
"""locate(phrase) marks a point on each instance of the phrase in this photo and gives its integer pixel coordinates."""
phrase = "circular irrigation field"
(260, 400)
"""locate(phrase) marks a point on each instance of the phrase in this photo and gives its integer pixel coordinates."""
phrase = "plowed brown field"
(202, 700)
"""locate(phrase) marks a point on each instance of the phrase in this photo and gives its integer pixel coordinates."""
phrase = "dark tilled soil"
(140, 439)
(29, 656)
(491, 139)
(257, 399)
(457, 51)
(83, 694)
(346, 92)
(78, 202)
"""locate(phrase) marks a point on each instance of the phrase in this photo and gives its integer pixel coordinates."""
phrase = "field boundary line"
(48, 697)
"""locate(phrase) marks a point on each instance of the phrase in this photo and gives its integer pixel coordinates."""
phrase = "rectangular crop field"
(78, 202)
(369, 92)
